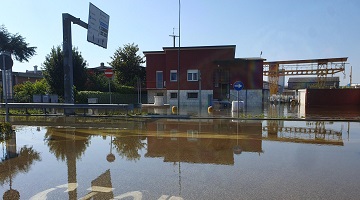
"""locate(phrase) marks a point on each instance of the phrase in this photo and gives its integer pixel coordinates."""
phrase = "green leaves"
(127, 65)
(54, 70)
(25, 91)
(16, 45)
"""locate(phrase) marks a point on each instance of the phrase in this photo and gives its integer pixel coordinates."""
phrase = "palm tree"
(16, 45)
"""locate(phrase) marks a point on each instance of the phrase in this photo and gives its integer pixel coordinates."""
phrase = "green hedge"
(104, 97)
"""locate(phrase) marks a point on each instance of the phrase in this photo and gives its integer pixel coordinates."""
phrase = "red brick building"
(207, 73)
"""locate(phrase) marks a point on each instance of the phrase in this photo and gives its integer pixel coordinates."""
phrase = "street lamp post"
(7, 63)
(178, 93)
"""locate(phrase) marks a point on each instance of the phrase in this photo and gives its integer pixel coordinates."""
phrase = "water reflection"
(212, 141)
(128, 146)
(68, 145)
(142, 147)
(14, 162)
(314, 132)
(202, 141)
(267, 110)
(101, 187)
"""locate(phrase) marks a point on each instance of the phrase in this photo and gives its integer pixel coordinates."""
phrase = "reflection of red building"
(191, 143)
(209, 69)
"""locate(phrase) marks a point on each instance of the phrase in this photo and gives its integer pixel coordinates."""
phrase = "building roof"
(100, 68)
(238, 60)
(191, 48)
(28, 74)
(252, 58)
(153, 52)
(201, 47)
(319, 61)
(312, 79)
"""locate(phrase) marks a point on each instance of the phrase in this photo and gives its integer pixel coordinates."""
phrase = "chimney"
(35, 69)
(102, 64)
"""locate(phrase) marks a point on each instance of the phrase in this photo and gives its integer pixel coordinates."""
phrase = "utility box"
(90, 110)
(92, 100)
(46, 98)
(37, 98)
(54, 98)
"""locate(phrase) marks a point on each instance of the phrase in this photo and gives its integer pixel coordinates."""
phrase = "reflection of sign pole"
(238, 85)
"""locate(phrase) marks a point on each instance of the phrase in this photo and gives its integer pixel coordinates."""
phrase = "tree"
(16, 45)
(127, 65)
(53, 70)
(98, 82)
(24, 92)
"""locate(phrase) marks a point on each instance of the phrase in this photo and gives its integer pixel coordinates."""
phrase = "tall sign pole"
(178, 94)
(109, 74)
(7, 63)
(238, 85)
(97, 34)
(68, 65)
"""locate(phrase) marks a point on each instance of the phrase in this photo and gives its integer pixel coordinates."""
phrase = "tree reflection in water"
(68, 144)
(63, 142)
(15, 162)
(127, 145)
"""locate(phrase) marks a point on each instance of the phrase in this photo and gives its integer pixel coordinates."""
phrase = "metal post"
(178, 94)
(68, 61)
(5, 89)
(110, 90)
(199, 74)
(246, 101)
(68, 65)
(238, 102)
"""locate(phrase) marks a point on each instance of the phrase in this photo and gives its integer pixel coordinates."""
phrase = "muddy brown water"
(123, 158)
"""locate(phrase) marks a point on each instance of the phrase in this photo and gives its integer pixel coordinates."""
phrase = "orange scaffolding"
(319, 67)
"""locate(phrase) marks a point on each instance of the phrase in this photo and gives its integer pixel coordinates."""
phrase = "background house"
(307, 82)
(15, 78)
(207, 74)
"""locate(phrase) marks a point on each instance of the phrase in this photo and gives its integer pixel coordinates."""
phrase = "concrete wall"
(189, 102)
(250, 97)
(152, 93)
(184, 101)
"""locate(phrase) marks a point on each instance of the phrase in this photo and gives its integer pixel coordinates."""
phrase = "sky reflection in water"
(182, 159)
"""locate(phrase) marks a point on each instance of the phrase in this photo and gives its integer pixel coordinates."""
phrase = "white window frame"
(176, 74)
(157, 82)
(197, 95)
(172, 94)
(194, 75)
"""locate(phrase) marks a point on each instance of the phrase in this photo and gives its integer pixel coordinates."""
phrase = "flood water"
(267, 111)
(108, 158)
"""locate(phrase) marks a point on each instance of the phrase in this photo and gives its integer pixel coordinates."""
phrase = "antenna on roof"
(260, 54)
(174, 36)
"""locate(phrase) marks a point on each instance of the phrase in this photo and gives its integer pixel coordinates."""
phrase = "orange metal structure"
(319, 67)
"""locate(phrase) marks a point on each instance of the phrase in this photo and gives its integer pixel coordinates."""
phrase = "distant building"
(207, 73)
(15, 78)
(32, 76)
(307, 82)
(99, 69)
(21, 77)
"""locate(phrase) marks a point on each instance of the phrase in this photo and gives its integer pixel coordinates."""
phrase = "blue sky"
(281, 29)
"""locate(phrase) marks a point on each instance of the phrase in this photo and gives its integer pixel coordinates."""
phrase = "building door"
(159, 79)
(221, 89)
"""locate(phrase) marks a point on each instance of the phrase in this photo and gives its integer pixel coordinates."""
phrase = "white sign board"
(98, 26)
